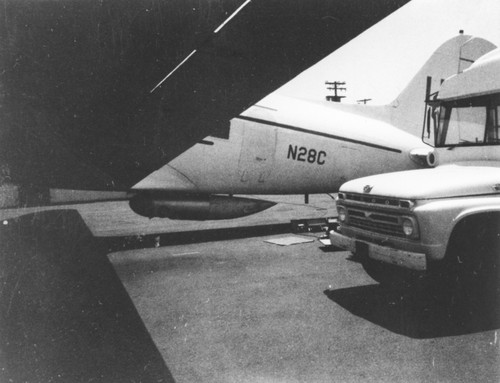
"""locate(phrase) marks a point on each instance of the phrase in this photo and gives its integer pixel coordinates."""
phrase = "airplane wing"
(77, 107)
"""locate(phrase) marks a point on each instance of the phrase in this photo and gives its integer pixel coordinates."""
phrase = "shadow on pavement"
(119, 243)
(64, 313)
(419, 313)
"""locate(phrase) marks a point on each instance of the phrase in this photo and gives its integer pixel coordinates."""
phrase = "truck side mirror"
(430, 125)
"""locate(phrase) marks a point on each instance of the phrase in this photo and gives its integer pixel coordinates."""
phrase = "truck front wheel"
(471, 266)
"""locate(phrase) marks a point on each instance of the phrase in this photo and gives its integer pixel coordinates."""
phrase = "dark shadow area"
(64, 314)
(77, 111)
(330, 249)
(420, 313)
(187, 237)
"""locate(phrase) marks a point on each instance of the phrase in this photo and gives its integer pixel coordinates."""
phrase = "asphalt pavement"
(245, 310)
(115, 297)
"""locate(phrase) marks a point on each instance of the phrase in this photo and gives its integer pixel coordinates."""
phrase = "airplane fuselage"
(288, 146)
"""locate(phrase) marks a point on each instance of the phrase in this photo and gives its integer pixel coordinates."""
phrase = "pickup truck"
(442, 222)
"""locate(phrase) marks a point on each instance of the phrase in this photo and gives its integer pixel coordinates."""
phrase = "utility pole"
(363, 101)
(335, 86)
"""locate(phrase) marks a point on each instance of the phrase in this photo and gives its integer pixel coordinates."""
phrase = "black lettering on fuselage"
(306, 155)
(302, 153)
(321, 161)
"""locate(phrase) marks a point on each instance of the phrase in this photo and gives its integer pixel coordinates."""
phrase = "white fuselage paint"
(290, 146)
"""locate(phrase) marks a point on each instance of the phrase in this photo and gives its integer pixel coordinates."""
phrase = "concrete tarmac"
(248, 311)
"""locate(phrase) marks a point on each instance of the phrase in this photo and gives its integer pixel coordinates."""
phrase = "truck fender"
(489, 209)
(490, 212)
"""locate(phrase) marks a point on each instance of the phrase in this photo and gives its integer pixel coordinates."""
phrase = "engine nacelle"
(195, 207)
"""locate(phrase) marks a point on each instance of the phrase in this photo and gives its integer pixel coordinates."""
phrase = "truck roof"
(480, 79)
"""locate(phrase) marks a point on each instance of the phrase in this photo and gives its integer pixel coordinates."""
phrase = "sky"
(380, 62)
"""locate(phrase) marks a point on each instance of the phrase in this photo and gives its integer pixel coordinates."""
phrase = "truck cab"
(443, 220)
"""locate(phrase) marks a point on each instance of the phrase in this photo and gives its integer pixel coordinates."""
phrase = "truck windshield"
(467, 122)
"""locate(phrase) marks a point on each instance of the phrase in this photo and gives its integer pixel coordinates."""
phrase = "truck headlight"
(410, 227)
(342, 214)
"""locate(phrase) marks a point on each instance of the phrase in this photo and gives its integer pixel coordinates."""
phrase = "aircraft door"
(257, 153)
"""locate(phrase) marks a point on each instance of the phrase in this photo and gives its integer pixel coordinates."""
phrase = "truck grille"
(376, 200)
(379, 222)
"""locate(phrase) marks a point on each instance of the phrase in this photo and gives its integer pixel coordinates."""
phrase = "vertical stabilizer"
(454, 56)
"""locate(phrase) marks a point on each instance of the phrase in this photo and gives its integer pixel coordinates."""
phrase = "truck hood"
(441, 182)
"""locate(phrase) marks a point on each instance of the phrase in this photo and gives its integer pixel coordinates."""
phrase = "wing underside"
(77, 111)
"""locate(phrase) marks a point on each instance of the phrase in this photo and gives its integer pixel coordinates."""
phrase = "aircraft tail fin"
(454, 56)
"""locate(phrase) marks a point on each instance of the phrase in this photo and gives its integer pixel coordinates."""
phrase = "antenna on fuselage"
(335, 86)
(217, 30)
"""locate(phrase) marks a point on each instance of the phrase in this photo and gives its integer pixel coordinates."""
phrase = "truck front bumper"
(406, 259)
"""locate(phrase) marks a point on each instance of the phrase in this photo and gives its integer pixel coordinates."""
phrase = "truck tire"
(471, 267)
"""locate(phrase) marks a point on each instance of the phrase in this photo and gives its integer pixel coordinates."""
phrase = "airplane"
(76, 112)
(283, 144)
(286, 145)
